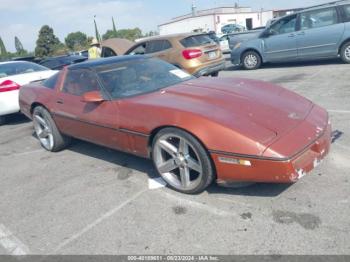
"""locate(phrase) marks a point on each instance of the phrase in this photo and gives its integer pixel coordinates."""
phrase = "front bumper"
(210, 69)
(273, 170)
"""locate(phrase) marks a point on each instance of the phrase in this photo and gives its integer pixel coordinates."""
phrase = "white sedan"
(13, 75)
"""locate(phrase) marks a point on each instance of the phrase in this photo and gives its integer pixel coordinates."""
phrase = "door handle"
(60, 101)
(301, 33)
(291, 35)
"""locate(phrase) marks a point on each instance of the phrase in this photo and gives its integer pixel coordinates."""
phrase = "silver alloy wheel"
(178, 162)
(43, 130)
(251, 61)
(347, 53)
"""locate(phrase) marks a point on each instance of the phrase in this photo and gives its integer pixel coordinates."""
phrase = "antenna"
(194, 8)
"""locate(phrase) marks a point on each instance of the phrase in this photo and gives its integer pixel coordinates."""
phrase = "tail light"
(9, 85)
(192, 53)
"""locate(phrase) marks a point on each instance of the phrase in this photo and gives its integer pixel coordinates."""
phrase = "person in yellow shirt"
(95, 49)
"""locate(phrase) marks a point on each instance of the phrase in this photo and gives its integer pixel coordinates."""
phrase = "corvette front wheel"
(47, 132)
(182, 161)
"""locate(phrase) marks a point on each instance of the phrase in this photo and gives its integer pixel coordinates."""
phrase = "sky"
(24, 18)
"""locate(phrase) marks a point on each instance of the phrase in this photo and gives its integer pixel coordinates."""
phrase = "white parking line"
(156, 183)
(339, 111)
(23, 153)
(98, 221)
(210, 209)
(12, 244)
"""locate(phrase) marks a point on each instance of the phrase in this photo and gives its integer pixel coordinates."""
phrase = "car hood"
(234, 102)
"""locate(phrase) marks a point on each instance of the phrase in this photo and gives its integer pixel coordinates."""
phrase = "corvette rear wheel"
(182, 161)
(47, 132)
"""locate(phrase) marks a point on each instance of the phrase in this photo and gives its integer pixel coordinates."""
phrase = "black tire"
(2, 120)
(345, 53)
(216, 74)
(208, 173)
(60, 141)
(251, 60)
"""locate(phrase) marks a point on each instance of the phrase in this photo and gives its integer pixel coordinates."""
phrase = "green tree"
(130, 34)
(3, 52)
(109, 34)
(47, 42)
(19, 47)
(76, 41)
(151, 33)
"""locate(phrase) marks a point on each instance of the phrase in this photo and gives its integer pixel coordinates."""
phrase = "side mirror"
(269, 32)
(93, 97)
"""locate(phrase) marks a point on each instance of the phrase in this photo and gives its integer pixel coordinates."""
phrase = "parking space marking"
(339, 111)
(11, 243)
(24, 153)
(98, 221)
(197, 205)
(156, 183)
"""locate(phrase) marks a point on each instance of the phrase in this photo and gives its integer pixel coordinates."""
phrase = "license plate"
(212, 55)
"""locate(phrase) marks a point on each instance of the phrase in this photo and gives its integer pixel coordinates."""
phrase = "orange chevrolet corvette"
(196, 130)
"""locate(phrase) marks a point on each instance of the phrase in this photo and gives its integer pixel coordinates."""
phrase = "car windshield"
(16, 68)
(139, 77)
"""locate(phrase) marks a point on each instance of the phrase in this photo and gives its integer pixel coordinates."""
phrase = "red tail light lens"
(9, 85)
(192, 53)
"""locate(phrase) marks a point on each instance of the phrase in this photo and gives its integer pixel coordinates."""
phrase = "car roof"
(15, 62)
(60, 57)
(321, 6)
(170, 36)
(106, 61)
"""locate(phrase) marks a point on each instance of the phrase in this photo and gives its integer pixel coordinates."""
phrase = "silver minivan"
(319, 32)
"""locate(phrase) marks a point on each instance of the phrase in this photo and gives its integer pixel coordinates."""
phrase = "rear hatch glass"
(197, 40)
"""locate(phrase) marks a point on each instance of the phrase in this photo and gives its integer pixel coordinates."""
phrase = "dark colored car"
(58, 62)
(196, 130)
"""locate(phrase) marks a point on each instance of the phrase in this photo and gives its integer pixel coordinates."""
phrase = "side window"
(108, 52)
(319, 18)
(157, 46)
(51, 63)
(51, 82)
(347, 13)
(284, 26)
(138, 50)
(166, 45)
(79, 82)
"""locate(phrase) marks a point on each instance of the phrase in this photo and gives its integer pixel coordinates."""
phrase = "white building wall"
(188, 25)
(214, 22)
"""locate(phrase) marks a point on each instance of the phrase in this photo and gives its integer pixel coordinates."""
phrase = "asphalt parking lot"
(92, 200)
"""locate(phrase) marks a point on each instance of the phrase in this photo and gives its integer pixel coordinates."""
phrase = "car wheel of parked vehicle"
(47, 132)
(345, 53)
(251, 60)
(2, 120)
(182, 161)
(216, 74)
